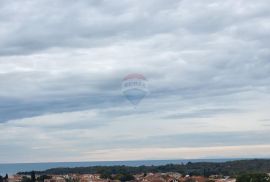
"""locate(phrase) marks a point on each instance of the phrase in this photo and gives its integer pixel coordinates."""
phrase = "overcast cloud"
(62, 63)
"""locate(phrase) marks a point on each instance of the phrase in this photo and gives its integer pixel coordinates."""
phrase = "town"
(150, 177)
(256, 170)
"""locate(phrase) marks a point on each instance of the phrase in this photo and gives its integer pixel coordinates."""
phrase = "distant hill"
(230, 168)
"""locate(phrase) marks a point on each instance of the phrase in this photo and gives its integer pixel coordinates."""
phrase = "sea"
(14, 168)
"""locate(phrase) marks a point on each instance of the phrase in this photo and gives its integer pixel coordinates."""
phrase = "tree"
(43, 177)
(33, 176)
(254, 177)
(105, 175)
(25, 179)
(124, 177)
(5, 179)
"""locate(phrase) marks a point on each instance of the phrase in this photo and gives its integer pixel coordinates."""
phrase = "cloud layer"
(62, 63)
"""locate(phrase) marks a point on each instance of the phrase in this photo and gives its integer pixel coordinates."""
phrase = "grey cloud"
(210, 58)
(44, 95)
(184, 140)
(42, 25)
(37, 26)
(213, 139)
(205, 113)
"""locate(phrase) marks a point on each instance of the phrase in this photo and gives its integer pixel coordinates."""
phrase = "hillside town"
(256, 170)
(150, 177)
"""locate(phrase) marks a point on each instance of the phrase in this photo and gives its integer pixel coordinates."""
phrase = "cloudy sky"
(62, 63)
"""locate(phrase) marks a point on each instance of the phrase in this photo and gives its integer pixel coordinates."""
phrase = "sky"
(62, 64)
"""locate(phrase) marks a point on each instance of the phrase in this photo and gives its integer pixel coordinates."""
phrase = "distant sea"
(22, 167)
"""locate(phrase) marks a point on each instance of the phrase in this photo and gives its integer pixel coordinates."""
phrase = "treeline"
(231, 168)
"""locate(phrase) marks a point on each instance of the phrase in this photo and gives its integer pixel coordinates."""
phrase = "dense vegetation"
(119, 177)
(231, 168)
(254, 177)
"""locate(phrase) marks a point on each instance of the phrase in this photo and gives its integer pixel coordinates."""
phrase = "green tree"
(43, 177)
(105, 175)
(6, 178)
(33, 176)
(25, 179)
(124, 177)
(255, 177)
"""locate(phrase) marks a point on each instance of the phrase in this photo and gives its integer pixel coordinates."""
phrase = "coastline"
(13, 168)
